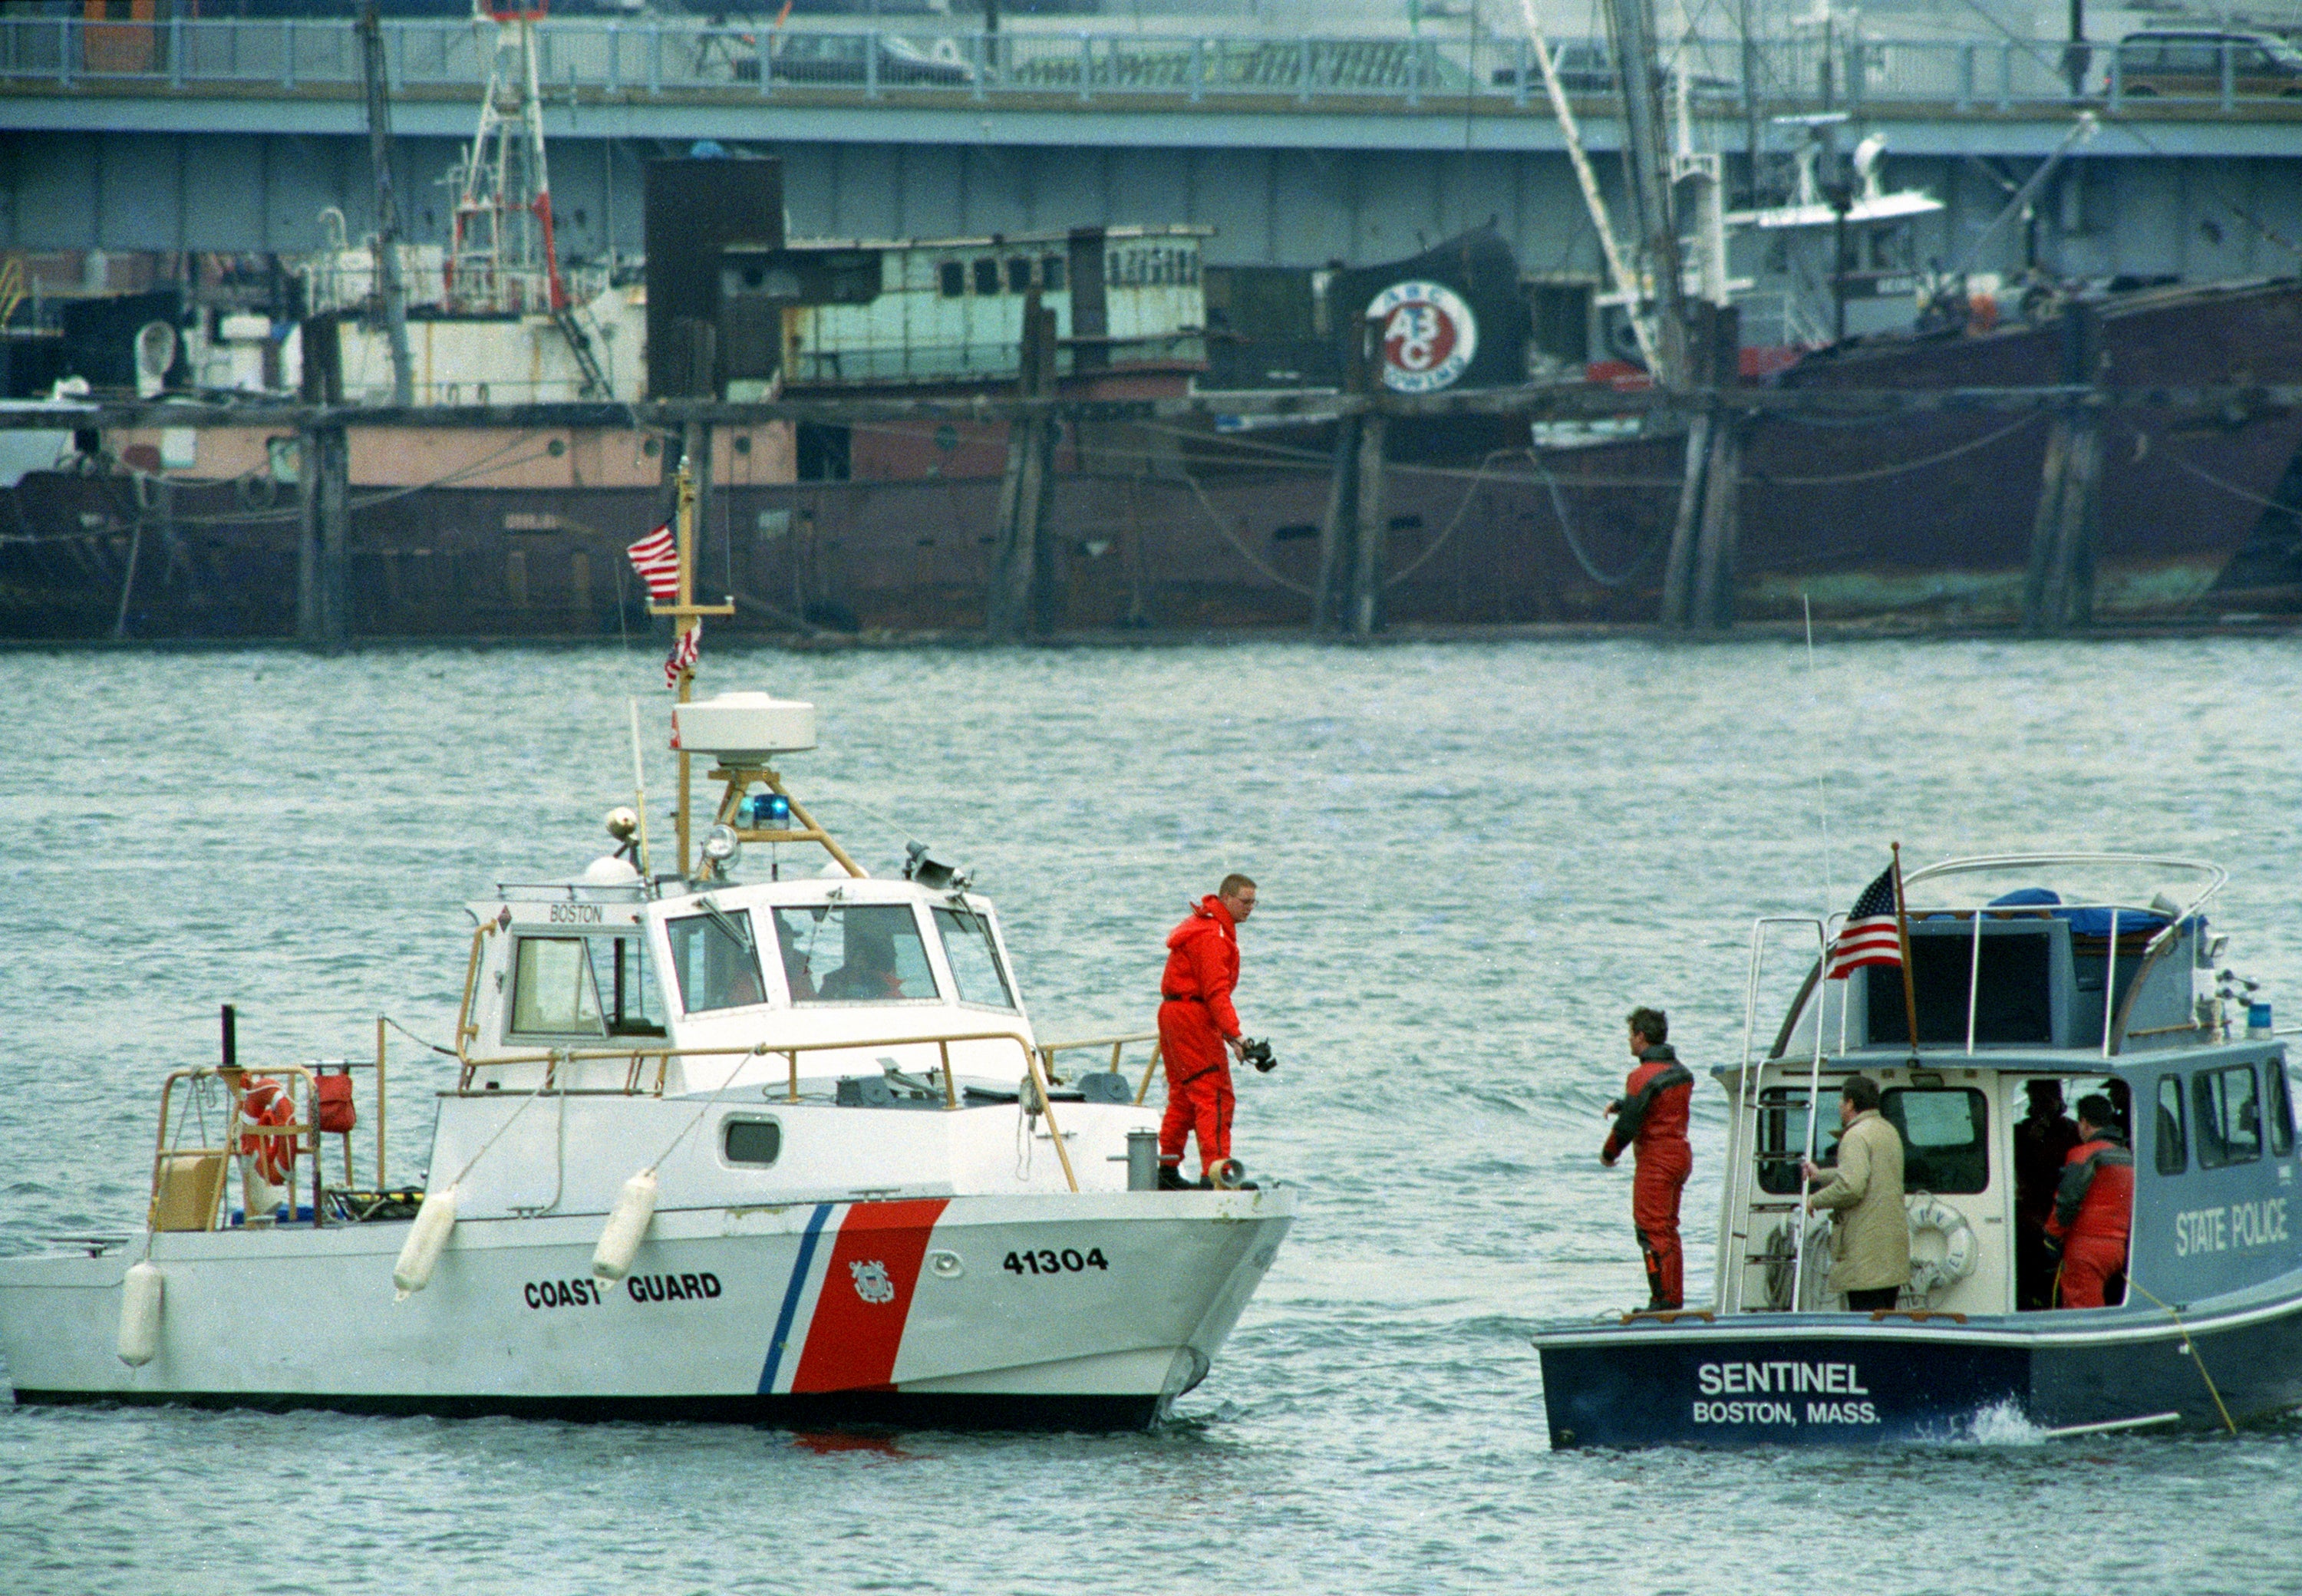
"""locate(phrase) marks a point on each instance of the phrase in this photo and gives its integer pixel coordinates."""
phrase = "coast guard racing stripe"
(846, 1315)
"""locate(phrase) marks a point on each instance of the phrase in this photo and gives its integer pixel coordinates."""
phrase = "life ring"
(1926, 1212)
(265, 1102)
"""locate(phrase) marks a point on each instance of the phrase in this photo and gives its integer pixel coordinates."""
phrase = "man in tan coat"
(1869, 1237)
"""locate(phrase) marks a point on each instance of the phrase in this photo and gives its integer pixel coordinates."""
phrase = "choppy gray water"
(1474, 860)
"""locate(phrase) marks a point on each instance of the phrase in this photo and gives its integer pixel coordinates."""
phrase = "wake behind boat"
(2091, 971)
(789, 1150)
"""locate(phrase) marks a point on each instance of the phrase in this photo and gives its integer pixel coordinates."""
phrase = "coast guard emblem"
(871, 1282)
(1428, 336)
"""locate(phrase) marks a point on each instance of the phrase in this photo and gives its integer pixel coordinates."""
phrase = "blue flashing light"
(770, 812)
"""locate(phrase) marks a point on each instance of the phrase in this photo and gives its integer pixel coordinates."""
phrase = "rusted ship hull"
(1928, 516)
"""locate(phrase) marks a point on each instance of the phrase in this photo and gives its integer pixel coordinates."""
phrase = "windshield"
(974, 959)
(551, 991)
(626, 986)
(854, 953)
(715, 959)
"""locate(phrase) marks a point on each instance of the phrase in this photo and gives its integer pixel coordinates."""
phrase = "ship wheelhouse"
(810, 970)
(2089, 983)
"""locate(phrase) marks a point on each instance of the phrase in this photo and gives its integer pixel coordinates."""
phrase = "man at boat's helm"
(1650, 1119)
(2094, 1206)
(1200, 1030)
(1870, 1234)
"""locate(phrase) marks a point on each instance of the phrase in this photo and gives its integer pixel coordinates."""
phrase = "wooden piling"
(1331, 598)
(1373, 530)
(324, 488)
(1685, 528)
(1698, 580)
(2058, 587)
(1714, 558)
(1019, 603)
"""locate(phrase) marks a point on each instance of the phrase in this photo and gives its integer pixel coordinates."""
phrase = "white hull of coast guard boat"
(1010, 1311)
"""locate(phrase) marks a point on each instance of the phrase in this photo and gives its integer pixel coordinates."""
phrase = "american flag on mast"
(687, 649)
(656, 557)
(1872, 934)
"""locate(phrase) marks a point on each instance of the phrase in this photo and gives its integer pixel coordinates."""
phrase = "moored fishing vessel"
(789, 1150)
(2086, 970)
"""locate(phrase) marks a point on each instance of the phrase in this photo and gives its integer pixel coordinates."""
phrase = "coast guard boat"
(2095, 972)
(790, 1150)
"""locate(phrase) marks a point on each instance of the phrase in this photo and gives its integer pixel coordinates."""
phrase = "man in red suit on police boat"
(2094, 1206)
(1650, 1119)
(1200, 1030)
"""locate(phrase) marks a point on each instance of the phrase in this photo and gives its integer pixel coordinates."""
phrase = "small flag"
(687, 649)
(656, 557)
(1869, 936)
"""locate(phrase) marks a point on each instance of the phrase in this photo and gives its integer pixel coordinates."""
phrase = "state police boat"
(2010, 987)
(789, 1151)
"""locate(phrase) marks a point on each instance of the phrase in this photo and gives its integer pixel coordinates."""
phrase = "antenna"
(1821, 788)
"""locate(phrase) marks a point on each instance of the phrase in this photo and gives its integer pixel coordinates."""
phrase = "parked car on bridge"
(844, 58)
(2187, 63)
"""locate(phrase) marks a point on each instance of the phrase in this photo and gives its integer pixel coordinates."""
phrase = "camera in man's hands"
(1258, 1054)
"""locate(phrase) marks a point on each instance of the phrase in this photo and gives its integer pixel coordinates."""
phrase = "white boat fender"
(419, 1255)
(628, 1223)
(139, 1315)
(1928, 1275)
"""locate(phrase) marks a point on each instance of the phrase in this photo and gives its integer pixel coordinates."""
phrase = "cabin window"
(751, 1139)
(626, 987)
(1051, 272)
(2281, 1108)
(986, 276)
(952, 280)
(2013, 1000)
(974, 959)
(716, 960)
(1782, 1137)
(1019, 273)
(854, 952)
(1945, 1137)
(551, 991)
(2172, 1140)
(2230, 1116)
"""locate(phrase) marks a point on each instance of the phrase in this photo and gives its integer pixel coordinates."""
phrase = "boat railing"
(1118, 1045)
(2164, 922)
(636, 1061)
(189, 1182)
(674, 59)
(1734, 1258)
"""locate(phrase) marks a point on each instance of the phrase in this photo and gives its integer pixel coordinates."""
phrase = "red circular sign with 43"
(1427, 333)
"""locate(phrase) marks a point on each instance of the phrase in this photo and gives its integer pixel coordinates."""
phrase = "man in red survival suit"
(1198, 1030)
(2094, 1206)
(1650, 1119)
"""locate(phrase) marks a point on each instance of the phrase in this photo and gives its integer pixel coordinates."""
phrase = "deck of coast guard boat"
(2095, 972)
(789, 1150)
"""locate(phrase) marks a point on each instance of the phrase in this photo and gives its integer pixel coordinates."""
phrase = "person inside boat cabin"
(1650, 1119)
(2043, 1140)
(1869, 1235)
(2093, 1209)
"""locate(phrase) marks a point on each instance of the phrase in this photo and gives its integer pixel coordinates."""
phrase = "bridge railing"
(593, 58)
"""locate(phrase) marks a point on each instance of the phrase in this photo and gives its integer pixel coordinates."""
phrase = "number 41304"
(1046, 1261)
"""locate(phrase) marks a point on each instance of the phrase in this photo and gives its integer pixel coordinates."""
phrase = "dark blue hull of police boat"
(1844, 1379)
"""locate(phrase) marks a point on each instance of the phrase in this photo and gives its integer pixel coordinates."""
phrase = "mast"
(1617, 268)
(686, 612)
(503, 257)
(390, 292)
(1636, 64)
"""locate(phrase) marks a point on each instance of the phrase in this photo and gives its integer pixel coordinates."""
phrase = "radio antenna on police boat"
(1821, 787)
